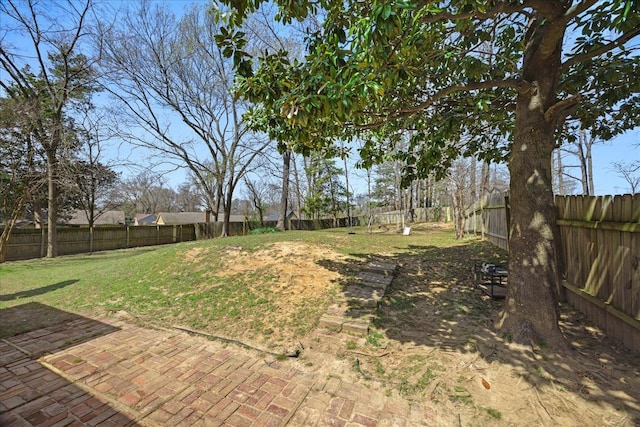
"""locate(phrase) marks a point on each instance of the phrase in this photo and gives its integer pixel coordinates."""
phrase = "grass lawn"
(431, 336)
(206, 285)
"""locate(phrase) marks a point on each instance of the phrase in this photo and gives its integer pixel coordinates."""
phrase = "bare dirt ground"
(432, 339)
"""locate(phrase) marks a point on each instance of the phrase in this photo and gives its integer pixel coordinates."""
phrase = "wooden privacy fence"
(600, 241)
(32, 243)
(242, 228)
(28, 244)
(432, 214)
(489, 217)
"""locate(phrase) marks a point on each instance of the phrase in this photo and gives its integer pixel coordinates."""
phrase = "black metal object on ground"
(491, 278)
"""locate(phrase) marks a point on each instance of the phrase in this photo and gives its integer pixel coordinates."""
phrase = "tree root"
(230, 340)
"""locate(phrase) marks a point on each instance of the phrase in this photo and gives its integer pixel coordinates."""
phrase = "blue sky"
(623, 148)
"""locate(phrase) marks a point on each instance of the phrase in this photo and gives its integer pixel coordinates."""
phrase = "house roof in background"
(169, 218)
(79, 217)
(274, 216)
(233, 218)
(145, 219)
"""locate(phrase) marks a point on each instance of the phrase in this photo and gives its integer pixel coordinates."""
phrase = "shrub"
(264, 230)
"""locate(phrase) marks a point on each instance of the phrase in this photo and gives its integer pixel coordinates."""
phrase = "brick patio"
(109, 373)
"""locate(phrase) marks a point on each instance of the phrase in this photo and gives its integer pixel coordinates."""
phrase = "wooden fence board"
(600, 243)
(635, 276)
(590, 258)
(607, 211)
(635, 215)
(624, 273)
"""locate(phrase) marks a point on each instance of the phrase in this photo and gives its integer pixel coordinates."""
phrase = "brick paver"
(110, 373)
(359, 300)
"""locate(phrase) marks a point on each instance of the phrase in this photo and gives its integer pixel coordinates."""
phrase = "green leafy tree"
(326, 193)
(21, 172)
(54, 32)
(490, 78)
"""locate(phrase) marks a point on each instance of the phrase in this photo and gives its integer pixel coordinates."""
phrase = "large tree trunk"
(226, 206)
(296, 177)
(52, 204)
(9, 224)
(561, 189)
(458, 210)
(531, 315)
(284, 196)
(4, 240)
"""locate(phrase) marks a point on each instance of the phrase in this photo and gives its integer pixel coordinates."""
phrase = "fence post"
(483, 215)
(507, 212)
(43, 239)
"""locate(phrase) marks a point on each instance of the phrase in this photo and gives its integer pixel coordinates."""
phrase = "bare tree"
(284, 198)
(298, 193)
(257, 191)
(583, 149)
(90, 179)
(53, 31)
(177, 90)
(630, 172)
(265, 36)
(146, 193)
(579, 147)
(188, 200)
(462, 197)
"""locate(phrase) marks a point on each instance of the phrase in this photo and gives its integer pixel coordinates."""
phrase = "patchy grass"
(494, 413)
(432, 338)
(221, 286)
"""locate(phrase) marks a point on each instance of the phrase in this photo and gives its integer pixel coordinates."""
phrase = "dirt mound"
(293, 267)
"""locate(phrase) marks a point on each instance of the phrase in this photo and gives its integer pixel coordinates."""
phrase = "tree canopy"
(488, 78)
(53, 34)
(449, 72)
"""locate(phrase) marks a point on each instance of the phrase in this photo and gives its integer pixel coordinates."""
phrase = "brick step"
(359, 300)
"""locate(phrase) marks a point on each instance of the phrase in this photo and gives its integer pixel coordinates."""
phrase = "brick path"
(109, 373)
(358, 301)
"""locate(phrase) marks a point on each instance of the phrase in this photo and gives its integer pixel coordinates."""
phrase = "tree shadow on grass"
(37, 291)
(433, 306)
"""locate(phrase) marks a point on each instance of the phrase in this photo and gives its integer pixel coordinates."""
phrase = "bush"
(264, 230)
